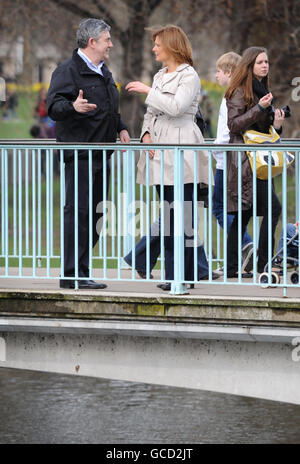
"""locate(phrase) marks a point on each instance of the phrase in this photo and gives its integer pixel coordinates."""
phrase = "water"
(52, 408)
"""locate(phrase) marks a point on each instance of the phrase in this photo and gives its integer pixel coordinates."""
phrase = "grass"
(19, 128)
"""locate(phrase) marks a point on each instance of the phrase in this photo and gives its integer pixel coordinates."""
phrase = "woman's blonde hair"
(243, 75)
(174, 39)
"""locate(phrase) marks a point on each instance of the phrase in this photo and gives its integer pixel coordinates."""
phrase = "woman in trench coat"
(172, 103)
(249, 104)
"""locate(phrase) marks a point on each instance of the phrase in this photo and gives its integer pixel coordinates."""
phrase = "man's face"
(102, 46)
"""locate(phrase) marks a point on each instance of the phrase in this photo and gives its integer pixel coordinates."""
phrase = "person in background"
(225, 66)
(9, 106)
(249, 104)
(172, 103)
(46, 124)
(84, 101)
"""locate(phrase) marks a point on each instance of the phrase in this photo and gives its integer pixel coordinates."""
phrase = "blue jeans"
(140, 249)
(217, 207)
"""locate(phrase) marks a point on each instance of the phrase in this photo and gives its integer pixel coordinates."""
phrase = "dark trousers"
(83, 214)
(262, 210)
(202, 265)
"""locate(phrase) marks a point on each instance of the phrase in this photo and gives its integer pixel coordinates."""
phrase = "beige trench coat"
(170, 118)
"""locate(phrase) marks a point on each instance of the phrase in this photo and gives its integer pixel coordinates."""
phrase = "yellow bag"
(277, 157)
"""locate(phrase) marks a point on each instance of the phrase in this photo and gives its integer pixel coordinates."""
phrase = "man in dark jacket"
(83, 100)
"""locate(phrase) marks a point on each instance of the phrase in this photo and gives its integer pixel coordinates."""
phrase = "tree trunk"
(132, 107)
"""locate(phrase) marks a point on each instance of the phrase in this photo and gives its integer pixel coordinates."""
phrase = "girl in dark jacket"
(249, 107)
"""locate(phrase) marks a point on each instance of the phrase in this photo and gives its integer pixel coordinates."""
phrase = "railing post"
(177, 286)
(128, 179)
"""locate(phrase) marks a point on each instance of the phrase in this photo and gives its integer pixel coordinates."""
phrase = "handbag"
(262, 156)
(200, 121)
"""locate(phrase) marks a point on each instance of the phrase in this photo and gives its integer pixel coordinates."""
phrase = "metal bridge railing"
(33, 200)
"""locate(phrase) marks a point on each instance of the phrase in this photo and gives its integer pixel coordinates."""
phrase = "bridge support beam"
(260, 362)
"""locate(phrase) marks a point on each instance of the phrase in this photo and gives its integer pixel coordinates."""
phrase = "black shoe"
(83, 284)
(143, 275)
(166, 286)
(245, 275)
(66, 283)
(214, 276)
(90, 284)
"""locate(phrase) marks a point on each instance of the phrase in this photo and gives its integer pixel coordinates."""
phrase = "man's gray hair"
(88, 28)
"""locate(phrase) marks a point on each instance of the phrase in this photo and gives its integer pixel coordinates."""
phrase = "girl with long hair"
(249, 103)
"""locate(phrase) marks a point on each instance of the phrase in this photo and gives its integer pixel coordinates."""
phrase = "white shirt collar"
(90, 64)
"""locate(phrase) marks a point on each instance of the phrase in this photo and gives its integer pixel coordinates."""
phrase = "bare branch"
(104, 11)
(70, 6)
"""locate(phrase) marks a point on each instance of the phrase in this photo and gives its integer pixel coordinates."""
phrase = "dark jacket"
(100, 125)
(240, 119)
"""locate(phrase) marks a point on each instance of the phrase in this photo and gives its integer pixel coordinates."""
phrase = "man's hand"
(124, 136)
(81, 105)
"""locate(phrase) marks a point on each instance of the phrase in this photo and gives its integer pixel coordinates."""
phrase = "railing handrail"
(137, 145)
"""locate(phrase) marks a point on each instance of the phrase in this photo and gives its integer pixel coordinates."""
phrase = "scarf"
(261, 90)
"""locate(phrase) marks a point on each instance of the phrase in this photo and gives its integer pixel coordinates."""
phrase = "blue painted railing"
(32, 211)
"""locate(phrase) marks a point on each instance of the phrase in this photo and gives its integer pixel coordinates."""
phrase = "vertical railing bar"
(162, 216)
(47, 213)
(51, 203)
(125, 199)
(39, 206)
(26, 204)
(153, 209)
(225, 216)
(20, 212)
(284, 216)
(255, 231)
(113, 209)
(2, 204)
(269, 217)
(104, 226)
(14, 203)
(239, 215)
(33, 177)
(76, 216)
(195, 214)
(210, 216)
(178, 286)
(147, 215)
(62, 204)
(119, 220)
(132, 208)
(91, 213)
(6, 213)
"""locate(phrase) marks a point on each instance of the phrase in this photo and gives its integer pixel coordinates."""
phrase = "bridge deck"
(122, 299)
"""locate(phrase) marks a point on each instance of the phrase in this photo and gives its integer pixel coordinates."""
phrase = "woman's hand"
(147, 139)
(266, 100)
(138, 87)
(278, 118)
